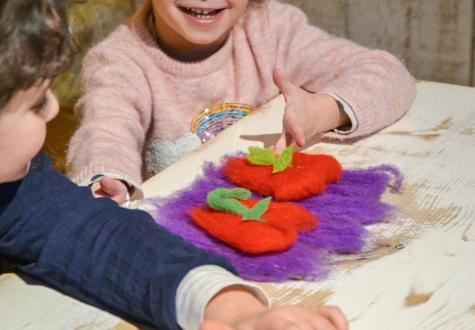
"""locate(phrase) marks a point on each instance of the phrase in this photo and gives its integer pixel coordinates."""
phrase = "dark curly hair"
(34, 43)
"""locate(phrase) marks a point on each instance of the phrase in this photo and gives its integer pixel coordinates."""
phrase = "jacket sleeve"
(374, 83)
(93, 250)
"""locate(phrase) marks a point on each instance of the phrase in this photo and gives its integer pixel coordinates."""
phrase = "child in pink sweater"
(144, 85)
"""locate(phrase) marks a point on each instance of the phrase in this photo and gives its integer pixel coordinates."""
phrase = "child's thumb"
(113, 187)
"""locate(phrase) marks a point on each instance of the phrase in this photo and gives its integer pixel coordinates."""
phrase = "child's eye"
(39, 108)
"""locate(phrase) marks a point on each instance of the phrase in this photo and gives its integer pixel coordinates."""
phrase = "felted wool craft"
(343, 210)
(306, 176)
(273, 231)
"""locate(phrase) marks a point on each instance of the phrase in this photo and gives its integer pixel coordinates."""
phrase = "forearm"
(125, 266)
(96, 148)
(91, 249)
(115, 112)
(374, 83)
(377, 87)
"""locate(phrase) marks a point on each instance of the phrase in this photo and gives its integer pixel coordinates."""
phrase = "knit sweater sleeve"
(114, 114)
(374, 83)
(93, 250)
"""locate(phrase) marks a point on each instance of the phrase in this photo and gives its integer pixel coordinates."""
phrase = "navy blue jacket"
(93, 250)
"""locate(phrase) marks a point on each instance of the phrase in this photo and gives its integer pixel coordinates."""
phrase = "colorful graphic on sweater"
(343, 210)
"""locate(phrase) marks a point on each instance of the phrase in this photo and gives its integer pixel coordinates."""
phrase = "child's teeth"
(200, 11)
(196, 11)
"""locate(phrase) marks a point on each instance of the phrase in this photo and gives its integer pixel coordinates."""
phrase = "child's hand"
(238, 309)
(110, 188)
(288, 317)
(306, 114)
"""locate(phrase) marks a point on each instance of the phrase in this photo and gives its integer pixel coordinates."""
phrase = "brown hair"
(34, 43)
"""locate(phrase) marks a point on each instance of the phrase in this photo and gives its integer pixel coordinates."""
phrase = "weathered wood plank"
(423, 279)
(28, 306)
(425, 285)
(473, 46)
(434, 37)
(328, 15)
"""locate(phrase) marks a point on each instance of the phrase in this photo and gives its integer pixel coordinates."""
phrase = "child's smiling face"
(195, 22)
(23, 129)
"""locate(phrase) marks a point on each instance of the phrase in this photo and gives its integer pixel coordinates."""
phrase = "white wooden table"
(423, 278)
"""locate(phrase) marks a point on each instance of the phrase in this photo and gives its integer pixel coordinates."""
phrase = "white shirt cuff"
(349, 112)
(199, 286)
(137, 191)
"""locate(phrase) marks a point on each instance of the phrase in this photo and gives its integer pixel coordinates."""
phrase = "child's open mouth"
(202, 14)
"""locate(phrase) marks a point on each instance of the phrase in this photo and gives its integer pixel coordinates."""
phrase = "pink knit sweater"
(138, 103)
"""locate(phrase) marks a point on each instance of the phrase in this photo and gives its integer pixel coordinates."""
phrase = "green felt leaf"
(226, 200)
(261, 156)
(284, 160)
(257, 211)
(222, 199)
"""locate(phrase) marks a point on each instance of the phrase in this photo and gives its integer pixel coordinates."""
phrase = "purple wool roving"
(343, 210)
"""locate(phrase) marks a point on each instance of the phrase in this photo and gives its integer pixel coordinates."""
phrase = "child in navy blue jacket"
(92, 249)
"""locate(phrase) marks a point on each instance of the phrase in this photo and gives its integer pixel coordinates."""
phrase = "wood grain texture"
(473, 46)
(417, 270)
(29, 306)
(328, 15)
(434, 38)
(416, 273)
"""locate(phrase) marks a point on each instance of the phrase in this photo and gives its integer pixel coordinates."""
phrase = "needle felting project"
(343, 209)
(252, 226)
(291, 177)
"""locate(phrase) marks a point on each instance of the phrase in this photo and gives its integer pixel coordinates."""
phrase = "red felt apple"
(306, 176)
(276, 230)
